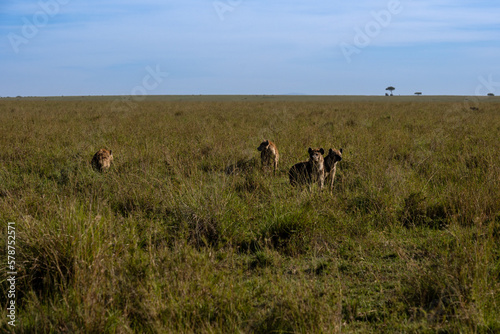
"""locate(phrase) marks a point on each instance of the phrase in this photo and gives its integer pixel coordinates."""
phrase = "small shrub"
(252, 183)
(242, 166)
(202, 229)
(368, 203)
(434, 292)
(416, 213)
(280, 319)
(261, 259)
(286, 233)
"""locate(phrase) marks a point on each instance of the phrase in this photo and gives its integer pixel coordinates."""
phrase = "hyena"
(102, 160)
(310, 171)
(269, 154)
(331, 160)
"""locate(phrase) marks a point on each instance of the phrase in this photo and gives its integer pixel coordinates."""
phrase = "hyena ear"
(110, 152)
(340, 151)
(267, 142)
(330, 151)
(322, 151)
(310, 150)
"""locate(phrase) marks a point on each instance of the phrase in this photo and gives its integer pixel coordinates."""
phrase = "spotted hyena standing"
(331, 160)
(102, 160)
(269, 154)
(310, 171)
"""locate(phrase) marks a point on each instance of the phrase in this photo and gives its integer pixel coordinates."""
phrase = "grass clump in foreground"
(185, 234)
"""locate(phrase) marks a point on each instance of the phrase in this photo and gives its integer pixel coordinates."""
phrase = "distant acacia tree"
(491, 94)
(418, 93)
(390, 88)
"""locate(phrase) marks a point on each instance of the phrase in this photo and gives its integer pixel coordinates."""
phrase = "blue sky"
(324, 47)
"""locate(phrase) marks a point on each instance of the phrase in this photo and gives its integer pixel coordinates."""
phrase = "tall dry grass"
(167, 241)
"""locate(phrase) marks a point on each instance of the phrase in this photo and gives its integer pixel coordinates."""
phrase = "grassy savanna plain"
(166, 241)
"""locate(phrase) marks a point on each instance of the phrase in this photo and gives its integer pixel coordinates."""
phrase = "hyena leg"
(321, 181)
(332, 175)
(263, 164)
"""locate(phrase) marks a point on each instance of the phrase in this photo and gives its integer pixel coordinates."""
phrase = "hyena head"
(336, 155)
(263, 146)
(106, 159)
(316, 155)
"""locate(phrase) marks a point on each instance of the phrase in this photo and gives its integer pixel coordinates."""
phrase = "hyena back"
(269, 154)
(102, 160)
(310, 171)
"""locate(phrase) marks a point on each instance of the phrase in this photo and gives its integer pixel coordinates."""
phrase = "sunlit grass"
(168, 241)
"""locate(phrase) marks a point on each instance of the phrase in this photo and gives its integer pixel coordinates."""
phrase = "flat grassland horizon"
(168, 241)
(262, 98)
